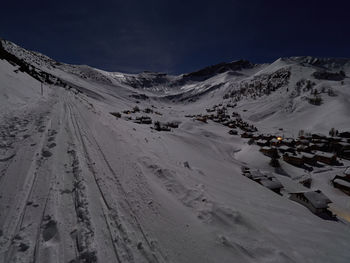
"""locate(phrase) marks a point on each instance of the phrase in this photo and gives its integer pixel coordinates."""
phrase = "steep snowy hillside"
(100, 166)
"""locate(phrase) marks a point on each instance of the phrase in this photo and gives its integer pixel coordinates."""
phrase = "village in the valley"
(307, 151)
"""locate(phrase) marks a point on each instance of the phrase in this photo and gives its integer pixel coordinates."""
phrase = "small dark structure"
(173, 124)
(158, 126)
(116, 114)
(143, 120)
(247, 135)
(233, 132)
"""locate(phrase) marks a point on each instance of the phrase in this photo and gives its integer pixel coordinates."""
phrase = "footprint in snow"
(51, 145)
(46, 153)
(50, 230)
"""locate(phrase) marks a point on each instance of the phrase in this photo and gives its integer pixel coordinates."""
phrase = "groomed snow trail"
(55, 205)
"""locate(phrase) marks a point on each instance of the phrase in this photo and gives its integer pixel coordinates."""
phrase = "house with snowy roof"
(272, 184)
(269, 151)
(309, 158)
(342, 182)
(315, 201)
(294, 159)
(325, 157)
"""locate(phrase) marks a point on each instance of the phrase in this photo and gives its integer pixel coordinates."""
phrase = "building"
(341, 185)
(273, 185)
(285, 148)
(269, 151)
(315, 201)
(309, 158)
(247, 135)
(342, 182)
(233, 132)
(327, 158)
(262, 143)
(289, 142)
(296, 159)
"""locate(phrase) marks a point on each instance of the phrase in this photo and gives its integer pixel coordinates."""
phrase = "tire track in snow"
(154, 255)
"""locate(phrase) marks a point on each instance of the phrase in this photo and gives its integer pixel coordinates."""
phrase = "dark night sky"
(176, 36)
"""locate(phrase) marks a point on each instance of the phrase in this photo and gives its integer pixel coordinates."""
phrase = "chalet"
(173, 124)
(296, 159)
(143, 120)
(247, 135)
(340, 147)
(315, 201)
(318, 147)
(267, 137)
(347, 173)
(302, 142)
(285, 148)
(275, 142)
(262, 143)
(269, 151)
(342, 181)
(256, 175)
(327, 158)
(303, 148)
(210, 110)
(309, 158)
(273, 185)
(289, 142)
(245, 169)
(233, 132)
(344, 134)
(256, 137)
(231, 125)
(226, 122)
(158, 126)
(202, 119)
(318, 136)
(345, 154)
(342, 185)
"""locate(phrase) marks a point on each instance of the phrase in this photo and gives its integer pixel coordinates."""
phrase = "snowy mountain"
(100, 166)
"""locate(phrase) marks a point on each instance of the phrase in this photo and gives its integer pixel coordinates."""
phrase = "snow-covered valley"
(85, 176)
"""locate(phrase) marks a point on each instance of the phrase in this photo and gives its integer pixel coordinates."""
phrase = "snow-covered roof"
(256, 174)
(284, 147)
(347, 171)
(271, 184)
(324, 154)
(308, 155)
(317, 199)
(266, 148)
(342, 182)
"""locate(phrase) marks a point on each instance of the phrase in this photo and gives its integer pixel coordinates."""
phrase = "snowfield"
(78, 184)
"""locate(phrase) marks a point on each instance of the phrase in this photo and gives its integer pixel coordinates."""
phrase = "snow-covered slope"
(78, 184)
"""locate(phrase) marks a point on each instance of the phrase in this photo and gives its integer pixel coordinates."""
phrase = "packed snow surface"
(78, 184)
